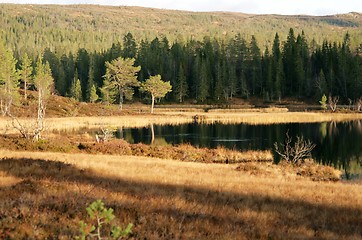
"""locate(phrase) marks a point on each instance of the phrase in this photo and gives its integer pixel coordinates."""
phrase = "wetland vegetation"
(202, 166)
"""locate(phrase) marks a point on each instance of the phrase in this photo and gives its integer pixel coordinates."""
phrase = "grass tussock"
(170, 199)
(86, 144)
(183, 152)
(308, 169)
(275, 117)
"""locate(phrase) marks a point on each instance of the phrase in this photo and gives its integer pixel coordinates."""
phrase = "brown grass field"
(171, 192)
(43, 195)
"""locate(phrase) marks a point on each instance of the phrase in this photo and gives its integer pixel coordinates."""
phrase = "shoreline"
(140, 120)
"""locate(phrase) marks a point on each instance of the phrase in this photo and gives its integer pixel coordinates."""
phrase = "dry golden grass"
(272, 116)
(183, 152)
(172, 200)
(74, 123)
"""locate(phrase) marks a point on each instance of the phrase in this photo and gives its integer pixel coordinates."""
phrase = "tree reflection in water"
(338, 144)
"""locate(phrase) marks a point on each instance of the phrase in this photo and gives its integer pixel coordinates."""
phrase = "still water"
(337, 144)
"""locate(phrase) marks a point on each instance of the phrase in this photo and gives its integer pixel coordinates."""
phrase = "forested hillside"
(64, 28)
(207, 57)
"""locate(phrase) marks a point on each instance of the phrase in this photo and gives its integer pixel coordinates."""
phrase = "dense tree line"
(30, 28)
(215, 71)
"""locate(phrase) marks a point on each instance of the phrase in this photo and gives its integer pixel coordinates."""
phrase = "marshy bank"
(191, 193)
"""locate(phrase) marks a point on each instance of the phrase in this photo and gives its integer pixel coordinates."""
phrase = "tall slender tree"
(255, 68)
(129, 46)
(76, 90)
(44, 83)
(9, 77)
(26, 71)
(181, 88)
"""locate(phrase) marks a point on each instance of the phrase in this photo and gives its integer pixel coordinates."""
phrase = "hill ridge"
(96, 27)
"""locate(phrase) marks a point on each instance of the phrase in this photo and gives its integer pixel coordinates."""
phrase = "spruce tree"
(26, 73)
(181, 88)
(76, 88)
(289, 62)
(90, 82)
(255, 67)
(129, 46)
(203, 85)
(9, 77)
(93, 94)
(277, 69)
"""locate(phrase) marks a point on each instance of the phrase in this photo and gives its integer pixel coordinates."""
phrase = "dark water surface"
(337, 144)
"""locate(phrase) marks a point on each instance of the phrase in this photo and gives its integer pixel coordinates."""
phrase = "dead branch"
(332, 101)
(359, 104)
(294, 153)
(104, 136)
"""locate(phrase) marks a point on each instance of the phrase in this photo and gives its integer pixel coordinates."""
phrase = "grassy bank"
(269, 116)
(181, 117)
(45, 195)
(170, 192)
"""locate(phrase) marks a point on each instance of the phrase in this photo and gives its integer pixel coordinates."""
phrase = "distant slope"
(68, 27)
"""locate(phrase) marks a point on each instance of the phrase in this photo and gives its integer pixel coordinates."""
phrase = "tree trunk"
(25, 88)
(120, 100)
(153, 103)
(40, 119)
(152, 133)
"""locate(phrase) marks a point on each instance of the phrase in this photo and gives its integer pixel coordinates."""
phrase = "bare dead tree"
(332, 101)
(296, 152)
(350, 103)
(104, 136)
(359, 104)
(20, 127)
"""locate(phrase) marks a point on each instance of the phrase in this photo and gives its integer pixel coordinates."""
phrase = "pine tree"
(122, 76)
(156, 87)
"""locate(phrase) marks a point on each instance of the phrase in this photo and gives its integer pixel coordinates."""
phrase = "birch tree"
(43, 82)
